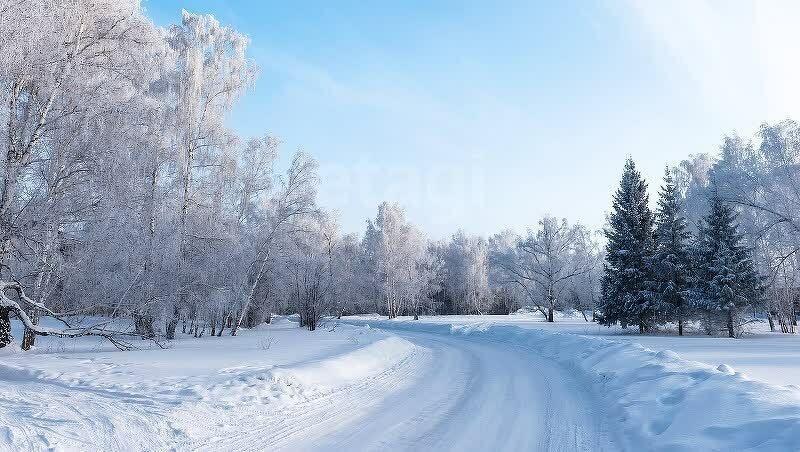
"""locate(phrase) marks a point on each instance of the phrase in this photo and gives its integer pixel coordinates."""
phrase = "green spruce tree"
(726, 279)
(670, 263)
(625, 295)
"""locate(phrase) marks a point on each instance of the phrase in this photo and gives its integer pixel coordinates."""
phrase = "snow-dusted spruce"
(759, 177)
(670, 261)
(629, 248)
(725, 279)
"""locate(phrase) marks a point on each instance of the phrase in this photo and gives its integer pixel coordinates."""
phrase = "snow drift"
(659, 400)
(360, 364)
(301, 382)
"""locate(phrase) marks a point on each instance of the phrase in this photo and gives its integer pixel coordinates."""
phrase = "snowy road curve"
(453, 393)
(354, 389)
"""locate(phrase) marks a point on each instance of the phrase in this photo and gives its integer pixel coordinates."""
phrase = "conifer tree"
(725, 277)
(629, 248)
(670, 263)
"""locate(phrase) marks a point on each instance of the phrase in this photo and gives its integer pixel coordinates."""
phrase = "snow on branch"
(98, 329)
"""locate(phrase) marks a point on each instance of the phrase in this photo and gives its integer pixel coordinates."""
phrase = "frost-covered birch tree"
(211, 72)
(396, 258)
(546, 262)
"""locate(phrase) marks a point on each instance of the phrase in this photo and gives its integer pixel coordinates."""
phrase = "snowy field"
(441, 383)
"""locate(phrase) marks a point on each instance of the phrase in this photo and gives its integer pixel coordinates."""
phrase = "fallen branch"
(97, 329)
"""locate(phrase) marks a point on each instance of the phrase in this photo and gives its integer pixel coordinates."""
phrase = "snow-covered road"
(453, 393)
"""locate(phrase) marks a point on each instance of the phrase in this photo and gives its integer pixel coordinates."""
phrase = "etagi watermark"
(435, 187)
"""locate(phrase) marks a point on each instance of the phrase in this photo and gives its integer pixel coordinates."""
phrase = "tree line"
(396, 270)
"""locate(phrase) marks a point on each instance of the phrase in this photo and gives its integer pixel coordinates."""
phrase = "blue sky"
(488, 115)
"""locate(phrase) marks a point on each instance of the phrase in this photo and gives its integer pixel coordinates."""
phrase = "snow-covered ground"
(441, 383)
(82, 394)
(760, 354)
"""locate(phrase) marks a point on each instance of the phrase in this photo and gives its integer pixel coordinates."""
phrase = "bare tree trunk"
(222, 325)
(143, 325)
(680, 326)
(731, 332)
(5, 327)
(388, 305)
(11, 178)
(29, 336)
(172, 325)
(251, 295)
(17, 157)
(186, 184)
(143, 316)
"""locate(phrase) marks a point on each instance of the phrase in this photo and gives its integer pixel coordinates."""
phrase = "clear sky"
(486, 115)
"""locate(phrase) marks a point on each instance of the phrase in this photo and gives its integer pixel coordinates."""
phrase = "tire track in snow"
(253, 428)
(45, 415)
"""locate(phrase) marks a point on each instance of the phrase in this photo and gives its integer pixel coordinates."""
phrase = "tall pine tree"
(726, 279)
(670, 262)
(625, 295)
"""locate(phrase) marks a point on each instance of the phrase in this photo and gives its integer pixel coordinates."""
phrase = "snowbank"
(529, 311)
(357, 365)
(366, 355)
(659, 400)
(11, 349)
